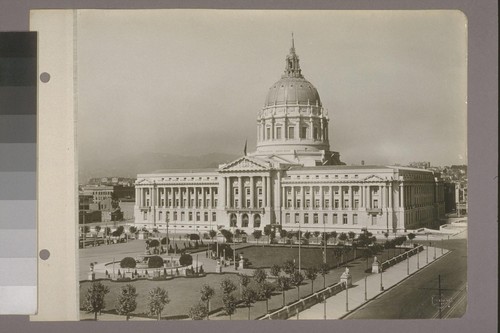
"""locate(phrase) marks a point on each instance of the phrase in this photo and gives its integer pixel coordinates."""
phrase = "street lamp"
(381, 285)
(366, 295)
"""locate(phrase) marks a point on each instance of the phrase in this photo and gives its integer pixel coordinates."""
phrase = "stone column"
(341, 197)
(321, 198)
(264, 191)
(268, 191)
(204, 197)
(228, 191)
(303, 196)
(240, 191)
(252, 192)
(332, 196)
(401, 195)
(293, 197)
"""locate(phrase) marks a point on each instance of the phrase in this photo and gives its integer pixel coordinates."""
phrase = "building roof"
(207, 170)
(340, 167)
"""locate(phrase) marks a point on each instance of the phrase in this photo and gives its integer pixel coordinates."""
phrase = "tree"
(128, 262)
(249, 296)
(118, 232)
(351, 235)
(289, 267)
(268, 230)
(227, 286)
(194, 237)
(275, 270)
(244, 281)
(132, 230)
(283, 233)
(126, 302)
(228, 235)
(265, 292)
(334, 235)
(307, 235)
(97, 229)
(312, 274)
(207, 293)
(155, 262)
(290, 235)
(257, 234)
(296, 279)
(198, 312)
(154, 243)
(283, 283)
(367, 253)
(411, 236)
(157, 299)
(316, 234)
(212, 233)
(323, 269)
(237, 234)
(342, 237)
(229, 304)
(94, 298)
(185, 259)
(260, 275)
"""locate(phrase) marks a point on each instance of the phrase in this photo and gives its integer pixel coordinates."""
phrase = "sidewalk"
(336, 305)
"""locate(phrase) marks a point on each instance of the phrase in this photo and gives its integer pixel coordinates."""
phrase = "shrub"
(155, 262)
(185, 259)
(194, 237)
(128, 262)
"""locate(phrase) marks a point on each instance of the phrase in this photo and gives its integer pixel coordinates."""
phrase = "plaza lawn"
(265, 257)
(183, 293)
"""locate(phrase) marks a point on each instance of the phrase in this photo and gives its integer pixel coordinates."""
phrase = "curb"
(391, 287)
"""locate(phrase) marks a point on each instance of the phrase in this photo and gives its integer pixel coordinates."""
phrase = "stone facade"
(291, 179)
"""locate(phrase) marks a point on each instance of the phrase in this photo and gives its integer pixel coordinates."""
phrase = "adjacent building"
(292, 180)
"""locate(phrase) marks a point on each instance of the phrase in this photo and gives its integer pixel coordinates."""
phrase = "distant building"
(420, 165)
(293, 180)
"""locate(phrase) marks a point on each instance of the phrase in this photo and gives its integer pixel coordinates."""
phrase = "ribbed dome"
(292, 90)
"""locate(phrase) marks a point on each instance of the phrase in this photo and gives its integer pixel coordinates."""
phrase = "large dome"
(292, 90)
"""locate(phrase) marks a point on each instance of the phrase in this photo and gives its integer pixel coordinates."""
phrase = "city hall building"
(292, 179)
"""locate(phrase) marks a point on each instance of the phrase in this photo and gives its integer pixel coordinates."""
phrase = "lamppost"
(346, 296)
(366, 295)
(300, 241)
(381, 285)
(407, 264)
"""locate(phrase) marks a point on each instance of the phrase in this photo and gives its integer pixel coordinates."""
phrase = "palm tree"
(312, 274)
(157, 299)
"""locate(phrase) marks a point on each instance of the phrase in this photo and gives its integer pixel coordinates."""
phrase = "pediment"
(143, 181)
(246, 164)
(374, 178)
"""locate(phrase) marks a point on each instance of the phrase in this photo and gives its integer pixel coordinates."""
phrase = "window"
(303, 132)
(233, 220)
(190, 216)
(306, 218)
(236, 191)
(355, 219)
(287, 218)
(256, 221)
(162, 202)
(197, 216)
(175, 216)
(236, 203)
(325, 218)
(334, 219)
(167, 216)
(336, 203)
(248, 203)
(346, 203)
(183, 216)
(200, 202)
(355, 189)
(268, 136)
(289, 203)
(215, 202)
(244, 221)
(260, 203)
(374, 219)
(145, 216)
(214, 216)
(315, 218)
(356, 203)
(247, 190)
(169, 202)
(316, 203)
(316, 136)
(205, 217)
(278, 132)
(297, 218)
(327, 203)
(291, 132)
(259, 190)
(297, 203)
(344, 219)
(307, 188)
(375, 203)
(308, 203)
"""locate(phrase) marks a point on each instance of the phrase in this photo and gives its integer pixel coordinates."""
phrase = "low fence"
(304, 303)
(403, 256)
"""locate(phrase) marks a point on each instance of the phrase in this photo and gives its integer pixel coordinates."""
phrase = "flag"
(245, 149)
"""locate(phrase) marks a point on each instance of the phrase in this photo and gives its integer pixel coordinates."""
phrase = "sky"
(191, 82)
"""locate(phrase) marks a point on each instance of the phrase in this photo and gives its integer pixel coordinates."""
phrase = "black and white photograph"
(271, 165)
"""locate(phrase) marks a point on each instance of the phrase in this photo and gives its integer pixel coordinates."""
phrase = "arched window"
(256, 221)
(233, 220)
(244, 221)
